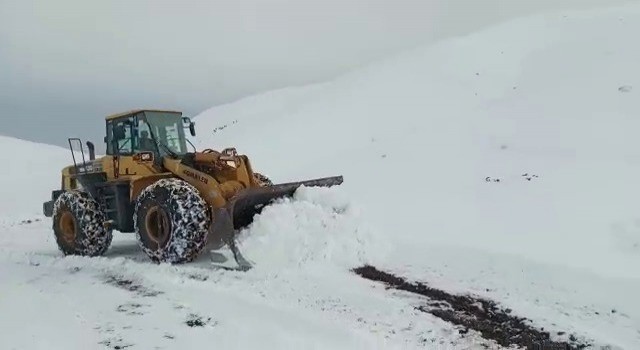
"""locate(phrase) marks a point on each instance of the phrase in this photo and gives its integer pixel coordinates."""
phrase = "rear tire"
(79, 225)
(171, 221)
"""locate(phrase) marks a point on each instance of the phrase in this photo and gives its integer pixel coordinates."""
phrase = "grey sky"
(65, 64)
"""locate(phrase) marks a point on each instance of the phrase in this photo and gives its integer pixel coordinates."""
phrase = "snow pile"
(318, 226)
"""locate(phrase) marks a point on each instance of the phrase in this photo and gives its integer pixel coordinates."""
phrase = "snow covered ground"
(434, 145)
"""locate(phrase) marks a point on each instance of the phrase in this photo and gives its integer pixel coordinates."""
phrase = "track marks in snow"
(114, 301)
(113, 342)
(132, 309)
(135, 287)
(150, 302)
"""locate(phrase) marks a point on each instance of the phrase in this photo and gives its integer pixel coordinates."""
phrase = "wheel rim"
(158, 226)
(67, 227)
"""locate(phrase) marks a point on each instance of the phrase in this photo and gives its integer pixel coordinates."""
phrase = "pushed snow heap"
(317, 226)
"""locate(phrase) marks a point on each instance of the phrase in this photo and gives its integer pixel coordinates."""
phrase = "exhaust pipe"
(92, 150)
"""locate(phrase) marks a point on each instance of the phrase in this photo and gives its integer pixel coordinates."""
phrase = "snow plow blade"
(240, 211)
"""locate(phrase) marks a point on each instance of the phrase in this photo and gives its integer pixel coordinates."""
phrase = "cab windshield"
(166, 128)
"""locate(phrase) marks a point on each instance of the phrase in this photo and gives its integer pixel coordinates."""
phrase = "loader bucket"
(241, 210)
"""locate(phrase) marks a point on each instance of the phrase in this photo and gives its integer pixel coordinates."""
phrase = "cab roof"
(136, 111)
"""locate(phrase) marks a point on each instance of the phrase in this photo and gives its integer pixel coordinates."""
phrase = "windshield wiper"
(194, 147)
(172, 153)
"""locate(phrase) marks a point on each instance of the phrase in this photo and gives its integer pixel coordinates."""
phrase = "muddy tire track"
(469, 312)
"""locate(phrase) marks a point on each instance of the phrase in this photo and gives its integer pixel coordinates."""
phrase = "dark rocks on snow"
(194, 320)
(473, 313)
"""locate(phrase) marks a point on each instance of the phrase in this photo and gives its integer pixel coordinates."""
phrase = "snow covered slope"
(505, 162)
(30, 172)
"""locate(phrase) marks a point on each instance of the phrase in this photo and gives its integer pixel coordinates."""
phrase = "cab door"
(125, 160)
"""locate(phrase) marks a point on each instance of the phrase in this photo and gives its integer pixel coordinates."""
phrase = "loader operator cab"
(159, 132)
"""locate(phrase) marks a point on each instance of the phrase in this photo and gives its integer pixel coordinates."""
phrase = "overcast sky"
(75, 61)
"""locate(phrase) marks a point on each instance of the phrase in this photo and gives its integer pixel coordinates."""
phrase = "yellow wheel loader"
(177, 200)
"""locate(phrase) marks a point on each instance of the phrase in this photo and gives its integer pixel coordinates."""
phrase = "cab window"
(144, 141)
(120, 138)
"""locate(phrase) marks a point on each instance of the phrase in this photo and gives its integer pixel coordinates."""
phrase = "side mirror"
(186, 122)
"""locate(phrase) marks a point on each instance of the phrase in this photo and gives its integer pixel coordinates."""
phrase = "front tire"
(171, 221)
(79, 225)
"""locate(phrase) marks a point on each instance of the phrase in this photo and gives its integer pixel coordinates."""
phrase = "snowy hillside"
(31, 171)
(500, 165)
(504, 162)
